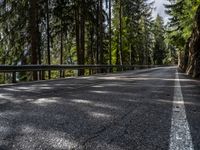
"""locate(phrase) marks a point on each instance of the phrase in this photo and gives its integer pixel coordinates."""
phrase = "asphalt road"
(152, 109)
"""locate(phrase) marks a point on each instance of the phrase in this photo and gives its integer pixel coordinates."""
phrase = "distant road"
(150, 109)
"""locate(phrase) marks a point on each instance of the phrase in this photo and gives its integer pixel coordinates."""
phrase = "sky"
(160, 9)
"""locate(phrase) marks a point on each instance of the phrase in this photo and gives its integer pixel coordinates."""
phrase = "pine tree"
(159, 50)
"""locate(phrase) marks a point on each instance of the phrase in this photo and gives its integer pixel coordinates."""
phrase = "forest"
(183, 33)
(105, 32)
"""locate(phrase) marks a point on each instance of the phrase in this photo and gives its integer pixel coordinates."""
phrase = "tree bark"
(82, 38)
(48, 38)
(120, 33)
(193, 64)
(97, 33)
(101, 31)
(80, 35)
(61, 47)
(33, 11)
(110, 32)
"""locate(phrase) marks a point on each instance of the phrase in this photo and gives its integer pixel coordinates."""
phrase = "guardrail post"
(43, 75)
(111, 70)
(14, 77)
(62, 73)
(122, 68)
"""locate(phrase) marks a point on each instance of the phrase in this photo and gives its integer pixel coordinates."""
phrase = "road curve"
(133, 110)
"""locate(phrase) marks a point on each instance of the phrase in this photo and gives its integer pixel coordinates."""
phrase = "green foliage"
(159, 49)
(182, 14)
(135, 37)
(137, 32)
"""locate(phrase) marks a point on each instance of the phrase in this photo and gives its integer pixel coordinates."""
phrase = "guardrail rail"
(13, 69)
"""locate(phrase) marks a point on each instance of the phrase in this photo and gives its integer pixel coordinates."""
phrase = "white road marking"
(180, 137)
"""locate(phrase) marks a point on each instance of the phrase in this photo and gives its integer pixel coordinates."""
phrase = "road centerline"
(180, 136)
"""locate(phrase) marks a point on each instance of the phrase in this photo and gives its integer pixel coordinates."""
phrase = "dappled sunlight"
(54, 139)
(61, 143)
(99, 74)
(39, 85)
(22, 88)
(143, 78)
(97, 86)
(108, 78)
(27, 88)
(61, 118)
(94, 104)
(111, 84)
(45, 101)
(34, 88)
(165, 101)
(99, 115)
(169, 101)
(100, 92)
(29, 134)
(81, 101)
(29, 100)
(104, 85)
(178, 102)
(163, 79)
(105, 106)
(114, 92)
(45, 88)
(12, 89)
(4, 98)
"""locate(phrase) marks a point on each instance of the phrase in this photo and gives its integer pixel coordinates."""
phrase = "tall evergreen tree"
(75, 32)
(159, 50)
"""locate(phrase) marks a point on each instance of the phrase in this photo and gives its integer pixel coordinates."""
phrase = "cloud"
(160, 9)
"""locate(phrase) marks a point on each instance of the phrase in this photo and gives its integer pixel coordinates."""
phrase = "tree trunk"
(82, 38)
(61, 47)
(97, 33)
(33, 33)
(48, 38)
(39, 52)
(80, 35)
(120, 32)
(77, 16)
(77, 32)
(194, 46)
(101, 30)
(91, 53)
(117, 62)
(110, 33)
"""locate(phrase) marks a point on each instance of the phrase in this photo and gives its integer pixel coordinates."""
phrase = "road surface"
(151, 109)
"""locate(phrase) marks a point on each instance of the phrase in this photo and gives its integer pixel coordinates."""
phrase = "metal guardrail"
(22, 68)
(13, 69)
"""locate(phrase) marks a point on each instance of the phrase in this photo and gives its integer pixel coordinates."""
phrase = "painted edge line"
(180, 136)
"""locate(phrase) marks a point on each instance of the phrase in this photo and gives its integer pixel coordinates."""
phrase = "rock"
(191, 60)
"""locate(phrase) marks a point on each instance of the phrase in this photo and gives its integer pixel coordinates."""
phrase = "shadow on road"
(191, 94)
(107, 112)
